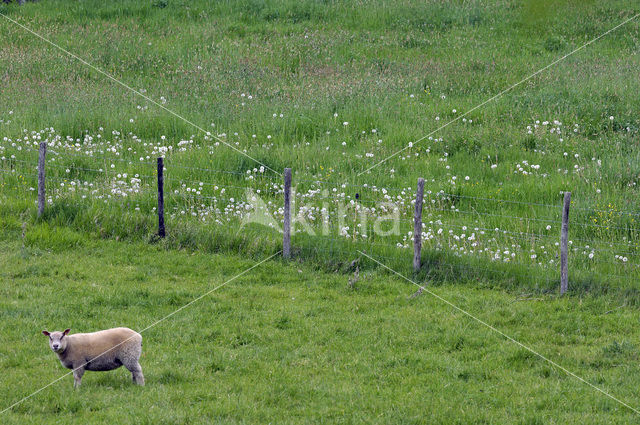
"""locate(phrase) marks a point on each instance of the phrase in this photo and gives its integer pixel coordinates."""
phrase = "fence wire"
(185, 197)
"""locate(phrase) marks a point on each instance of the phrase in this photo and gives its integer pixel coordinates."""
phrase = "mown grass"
(289, 344)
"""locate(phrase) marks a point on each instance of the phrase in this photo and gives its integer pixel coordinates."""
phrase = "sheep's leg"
(77, 376)
(136, 373)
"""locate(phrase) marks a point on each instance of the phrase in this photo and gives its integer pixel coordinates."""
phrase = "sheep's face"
(57, 340)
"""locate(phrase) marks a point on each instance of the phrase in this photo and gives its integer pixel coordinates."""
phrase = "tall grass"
(344, 76)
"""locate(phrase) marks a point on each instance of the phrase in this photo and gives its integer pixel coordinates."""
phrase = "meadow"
(330, 89)
(289, 344)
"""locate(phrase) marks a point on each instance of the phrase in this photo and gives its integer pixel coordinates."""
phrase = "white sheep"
(98, 351)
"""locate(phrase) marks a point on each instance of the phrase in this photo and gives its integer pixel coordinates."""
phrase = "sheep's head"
(57, 340)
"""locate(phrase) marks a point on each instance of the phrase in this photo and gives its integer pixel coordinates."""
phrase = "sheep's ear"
(66, 331)
(45, 333)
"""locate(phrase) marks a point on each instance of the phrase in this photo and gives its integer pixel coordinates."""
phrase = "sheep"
(98, 351)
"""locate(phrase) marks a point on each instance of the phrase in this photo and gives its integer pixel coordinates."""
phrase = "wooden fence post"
(417, 226)
(161, 231)
(41, 181)
(286, 238)
(564, 245)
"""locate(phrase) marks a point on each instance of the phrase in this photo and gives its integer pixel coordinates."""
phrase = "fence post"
(564, 248)
(417, 226)
(41, 188)
(161, 231)
(286, 230)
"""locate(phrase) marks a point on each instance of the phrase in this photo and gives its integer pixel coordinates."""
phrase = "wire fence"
(460, 233)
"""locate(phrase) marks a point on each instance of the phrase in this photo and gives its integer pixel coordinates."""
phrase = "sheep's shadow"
(116, 380)
(121, 379)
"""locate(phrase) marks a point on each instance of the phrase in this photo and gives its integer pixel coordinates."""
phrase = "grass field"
(288, 344)
(328, 88)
